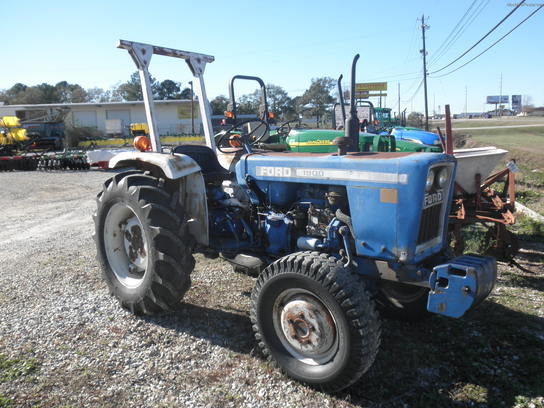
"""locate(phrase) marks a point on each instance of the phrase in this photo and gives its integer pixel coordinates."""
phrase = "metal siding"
(85, 118)
(123, 115)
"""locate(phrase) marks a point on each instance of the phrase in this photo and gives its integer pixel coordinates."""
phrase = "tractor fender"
(191, 184)
(172, 166)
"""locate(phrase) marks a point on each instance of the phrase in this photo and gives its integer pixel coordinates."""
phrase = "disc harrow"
(45, 161)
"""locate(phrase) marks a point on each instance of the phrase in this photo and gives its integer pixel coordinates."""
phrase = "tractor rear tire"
(315, 320)
(142, 243)
(403, 302)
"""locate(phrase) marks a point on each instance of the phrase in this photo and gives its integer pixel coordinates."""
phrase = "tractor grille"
(429, 227)
(435, 202)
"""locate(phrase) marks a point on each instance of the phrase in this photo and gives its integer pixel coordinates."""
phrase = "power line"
(492, 45)
(477, 11)
(414, 94)
(454, 28)
(481, 39)
(412, 42)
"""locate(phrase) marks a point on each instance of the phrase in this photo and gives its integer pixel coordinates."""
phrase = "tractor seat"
(207, 160)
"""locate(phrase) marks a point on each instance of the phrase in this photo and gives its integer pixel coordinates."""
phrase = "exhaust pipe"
(351, 126)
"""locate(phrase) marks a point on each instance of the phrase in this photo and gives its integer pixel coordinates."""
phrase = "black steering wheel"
(245, 138)
(286, 127)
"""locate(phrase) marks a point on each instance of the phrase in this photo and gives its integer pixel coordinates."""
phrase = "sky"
(287, 43)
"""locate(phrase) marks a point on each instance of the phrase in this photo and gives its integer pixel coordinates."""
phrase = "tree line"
(64, 92)
(314, 102)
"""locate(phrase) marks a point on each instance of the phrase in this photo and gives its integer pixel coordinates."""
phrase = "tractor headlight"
(442, 177)
(430, 180)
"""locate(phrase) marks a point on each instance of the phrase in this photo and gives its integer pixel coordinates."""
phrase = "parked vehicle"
(333, 237)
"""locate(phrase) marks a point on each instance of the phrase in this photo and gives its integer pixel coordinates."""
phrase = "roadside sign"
(516, 103)
(361, 94)
(497, 99)
(371, 86)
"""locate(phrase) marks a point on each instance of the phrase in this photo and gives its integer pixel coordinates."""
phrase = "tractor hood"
(394, 217)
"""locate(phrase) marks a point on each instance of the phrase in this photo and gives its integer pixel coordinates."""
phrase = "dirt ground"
(65, 342)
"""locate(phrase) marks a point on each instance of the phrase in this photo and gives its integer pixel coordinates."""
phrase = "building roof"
(95, 104)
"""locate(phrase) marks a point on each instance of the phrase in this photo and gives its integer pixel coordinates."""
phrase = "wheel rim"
(126, 245)
(305, 326)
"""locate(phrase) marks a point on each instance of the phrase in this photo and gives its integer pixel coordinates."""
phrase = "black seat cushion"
(205, 158)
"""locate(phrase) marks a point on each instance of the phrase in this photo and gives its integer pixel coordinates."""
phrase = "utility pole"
(398, 87)
(424, 52)
(500, 99)
(192, 110)
(466, 102)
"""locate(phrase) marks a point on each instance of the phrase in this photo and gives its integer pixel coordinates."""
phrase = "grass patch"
(492, 357)
(5, 402)
(11, 369)
(529, 229)
(504, 121)
(529, 139)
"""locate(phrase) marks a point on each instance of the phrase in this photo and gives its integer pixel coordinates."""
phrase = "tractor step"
(461, 284)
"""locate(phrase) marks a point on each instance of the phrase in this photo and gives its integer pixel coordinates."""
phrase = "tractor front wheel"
(142, 248)
(315, 320)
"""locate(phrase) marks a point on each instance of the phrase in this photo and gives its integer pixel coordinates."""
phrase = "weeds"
(5, 402)
(529, 229)
(10, 369)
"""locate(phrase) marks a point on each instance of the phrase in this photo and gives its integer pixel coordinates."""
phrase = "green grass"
(5, 402)
(528, 139)
(504, 121)
(10, 369)
(528, 229)
(493, 356)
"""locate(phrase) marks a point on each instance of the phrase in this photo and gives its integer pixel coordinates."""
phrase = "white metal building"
(173, 116)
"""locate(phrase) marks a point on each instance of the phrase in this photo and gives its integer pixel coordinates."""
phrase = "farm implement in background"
(27, 150)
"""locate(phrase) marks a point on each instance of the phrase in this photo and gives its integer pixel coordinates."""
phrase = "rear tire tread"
(173, 260)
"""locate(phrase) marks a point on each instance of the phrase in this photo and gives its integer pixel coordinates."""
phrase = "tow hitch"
(461, 284)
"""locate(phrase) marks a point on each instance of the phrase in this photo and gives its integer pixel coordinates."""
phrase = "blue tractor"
(335, 238)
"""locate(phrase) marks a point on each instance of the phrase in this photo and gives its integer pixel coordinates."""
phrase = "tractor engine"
(238, 224)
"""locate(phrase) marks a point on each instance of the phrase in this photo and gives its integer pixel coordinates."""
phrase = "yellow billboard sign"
(361, 94)
(371, 86)
(184, 110)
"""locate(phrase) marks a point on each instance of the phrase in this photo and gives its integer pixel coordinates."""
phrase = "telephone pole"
(398, 86)
(500, 98)
(424, 52)
(466, 102)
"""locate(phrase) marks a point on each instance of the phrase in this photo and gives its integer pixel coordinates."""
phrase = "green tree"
(249, 103)
(98, 95)
(185, 94)
(219, 104)
(132, 89)
(279, 101)
(70, 93)
(317, 98)
(168, 89)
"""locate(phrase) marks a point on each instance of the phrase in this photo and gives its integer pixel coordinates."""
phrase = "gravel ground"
(87, 351)
(69, 343)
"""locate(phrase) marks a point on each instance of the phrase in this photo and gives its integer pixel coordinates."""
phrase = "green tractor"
(293, 136)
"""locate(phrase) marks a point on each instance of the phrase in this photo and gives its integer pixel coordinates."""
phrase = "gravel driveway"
(84, 349)
(64, 341)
